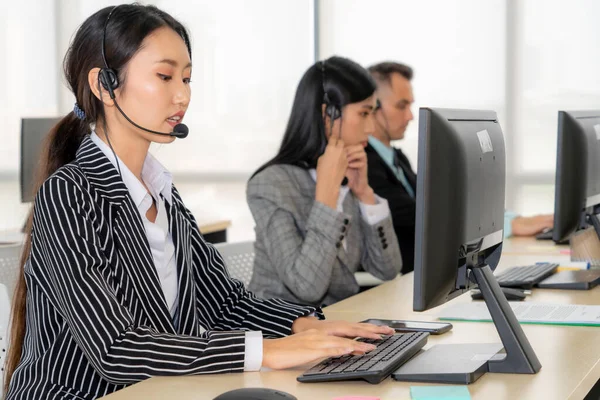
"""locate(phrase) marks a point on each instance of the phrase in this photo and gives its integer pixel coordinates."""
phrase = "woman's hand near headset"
(331, 170)
(358, 182)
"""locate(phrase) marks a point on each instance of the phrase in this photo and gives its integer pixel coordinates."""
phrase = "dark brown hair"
(382, 72)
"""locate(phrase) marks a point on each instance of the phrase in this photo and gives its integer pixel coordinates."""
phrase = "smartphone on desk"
(435, 328)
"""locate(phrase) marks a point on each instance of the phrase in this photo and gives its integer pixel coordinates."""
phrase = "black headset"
(378, 107)
(332, 110)
(108, 76)
(109, 79)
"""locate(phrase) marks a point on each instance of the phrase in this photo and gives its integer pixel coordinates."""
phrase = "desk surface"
(205, 226)
(570, 356)
(213, 226)
(530, 246)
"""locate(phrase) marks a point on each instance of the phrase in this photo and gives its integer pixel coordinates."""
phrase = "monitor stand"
(585, 243)
(465, 363)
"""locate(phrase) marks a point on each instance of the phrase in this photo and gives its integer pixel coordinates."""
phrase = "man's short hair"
(382, 72)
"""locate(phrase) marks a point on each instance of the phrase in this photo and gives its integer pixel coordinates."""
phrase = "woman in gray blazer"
(317, 219)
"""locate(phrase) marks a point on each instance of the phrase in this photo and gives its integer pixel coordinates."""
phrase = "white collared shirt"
(159, 181)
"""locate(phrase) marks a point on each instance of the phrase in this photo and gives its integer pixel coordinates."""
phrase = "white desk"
(570, 356)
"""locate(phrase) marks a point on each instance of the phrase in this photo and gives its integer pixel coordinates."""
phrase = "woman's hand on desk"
(306, 347)
(529, 226)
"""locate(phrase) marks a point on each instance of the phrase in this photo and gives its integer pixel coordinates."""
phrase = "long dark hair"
(129, 25)
(304, 140)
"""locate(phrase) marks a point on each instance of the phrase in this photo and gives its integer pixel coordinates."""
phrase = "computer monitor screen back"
(33, 134)
(460, 201)
(459, 233)
(577, 190)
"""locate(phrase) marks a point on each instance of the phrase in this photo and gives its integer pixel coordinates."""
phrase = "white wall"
(250, 55)
(460, 54)
(559, 66)
(456, 48)
(28, 71)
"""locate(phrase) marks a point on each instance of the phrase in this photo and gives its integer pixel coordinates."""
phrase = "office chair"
(10, 255)
(4, 330)
(239, 259)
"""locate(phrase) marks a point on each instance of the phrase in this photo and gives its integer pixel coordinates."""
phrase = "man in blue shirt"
(390, 173)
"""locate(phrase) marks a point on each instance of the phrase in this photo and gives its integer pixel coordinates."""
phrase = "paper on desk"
(528, 313)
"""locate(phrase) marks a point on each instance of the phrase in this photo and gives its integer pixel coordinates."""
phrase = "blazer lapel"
(307, 190)
(129, 234)
(343, 254)
(353, 253)
(181, 233)
(371, 152)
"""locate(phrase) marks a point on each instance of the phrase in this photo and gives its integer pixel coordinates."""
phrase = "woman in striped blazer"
(117, 283)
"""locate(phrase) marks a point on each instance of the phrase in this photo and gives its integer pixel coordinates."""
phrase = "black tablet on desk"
(584, 279)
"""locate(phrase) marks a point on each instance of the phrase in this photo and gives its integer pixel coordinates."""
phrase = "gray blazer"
(299, 254)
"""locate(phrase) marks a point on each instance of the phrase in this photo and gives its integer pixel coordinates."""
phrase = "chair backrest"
(239, 259)
(10, 255)
(4, 331)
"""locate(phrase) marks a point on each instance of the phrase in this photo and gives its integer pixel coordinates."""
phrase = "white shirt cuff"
(254, 351)
(375, 213)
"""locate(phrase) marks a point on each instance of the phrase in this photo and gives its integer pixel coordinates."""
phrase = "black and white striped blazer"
(97, 319)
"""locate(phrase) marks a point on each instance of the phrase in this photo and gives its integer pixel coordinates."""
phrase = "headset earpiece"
(332, 111)
(109, 80)
(377, 105)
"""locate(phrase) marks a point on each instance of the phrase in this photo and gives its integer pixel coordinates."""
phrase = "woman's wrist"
(303, 324)
(327, 196)
(366, 196)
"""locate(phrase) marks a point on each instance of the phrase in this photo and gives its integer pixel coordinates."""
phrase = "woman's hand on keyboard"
(308, 346)
(341, 328)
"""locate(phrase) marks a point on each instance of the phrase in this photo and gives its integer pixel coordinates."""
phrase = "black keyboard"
(546, 234)
(391, 352)
(526, 277)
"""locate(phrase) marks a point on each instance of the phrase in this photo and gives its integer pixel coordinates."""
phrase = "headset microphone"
(180, 131)
(379, 107)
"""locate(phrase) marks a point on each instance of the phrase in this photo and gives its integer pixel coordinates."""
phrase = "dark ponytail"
(129, 25)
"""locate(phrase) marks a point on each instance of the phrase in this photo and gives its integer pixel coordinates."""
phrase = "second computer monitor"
(33, 134)
(460, 201)
(577, 190)
(459, 234)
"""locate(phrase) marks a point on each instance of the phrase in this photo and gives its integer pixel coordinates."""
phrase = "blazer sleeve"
(381, 256)
(303, 262)
(227, 305)
(77, 275)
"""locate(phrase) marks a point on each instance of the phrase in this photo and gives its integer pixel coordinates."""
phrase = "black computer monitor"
(458, 240)
(577, 190)
(33, 134)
